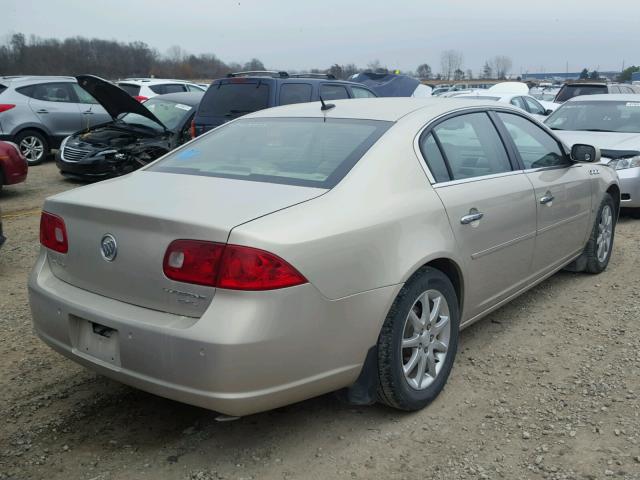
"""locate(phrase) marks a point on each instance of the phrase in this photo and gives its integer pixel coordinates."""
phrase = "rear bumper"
(630, 187)
(250, 352)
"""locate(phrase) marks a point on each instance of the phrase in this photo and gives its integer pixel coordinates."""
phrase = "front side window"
(472, 146)
(194, 88)
(597, 116)
(295, 93)
(359, 92)
(311, 152)
(50, 92)
(333, 92)
(536, 147)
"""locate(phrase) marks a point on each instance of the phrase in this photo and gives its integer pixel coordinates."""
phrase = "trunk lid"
(114, 99)
(144, 212)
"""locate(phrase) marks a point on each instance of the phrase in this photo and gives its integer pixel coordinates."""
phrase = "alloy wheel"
(32, 148)
(425, 339)
(605, 234)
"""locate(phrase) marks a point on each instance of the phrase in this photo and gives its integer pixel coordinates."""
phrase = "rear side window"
(130, 88)
(359, 92)
(311, 152)
(50, 92)
(472, 146)
(295, 93)
(167, 88)
(434, 158)
(518, 102)
(333, 92)
(570, 91)
(534, 107)
(234, 99)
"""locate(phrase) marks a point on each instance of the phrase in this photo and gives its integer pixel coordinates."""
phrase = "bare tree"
(469, 74)
(253, 65)
(376, 67)
(487, 70)
(176, 54)
(450, 61)
(424, 71)
(501, 65)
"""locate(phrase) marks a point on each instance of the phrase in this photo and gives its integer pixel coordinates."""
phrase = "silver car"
(305, 249)
(611, 122)
(37, 113)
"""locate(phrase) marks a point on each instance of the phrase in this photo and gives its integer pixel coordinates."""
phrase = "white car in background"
(538, 110)
(612, 123)
(144, 88)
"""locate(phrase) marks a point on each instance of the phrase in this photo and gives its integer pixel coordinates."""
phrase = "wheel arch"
(614, 191)
(451, 269)
(37, 128)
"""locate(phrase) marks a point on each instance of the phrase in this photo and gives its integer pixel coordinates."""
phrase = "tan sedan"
(306, 249)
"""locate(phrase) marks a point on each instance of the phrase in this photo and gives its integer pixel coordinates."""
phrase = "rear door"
(490, 206)
(562, 192)
(56, 106)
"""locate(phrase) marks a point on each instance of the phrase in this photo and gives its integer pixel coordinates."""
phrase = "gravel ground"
(547, 387)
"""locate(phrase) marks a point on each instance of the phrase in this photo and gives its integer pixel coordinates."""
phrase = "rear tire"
(33, 145)
(418, 341)
(600, 245)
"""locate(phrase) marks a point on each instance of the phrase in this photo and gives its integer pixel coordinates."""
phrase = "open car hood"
(114, 99)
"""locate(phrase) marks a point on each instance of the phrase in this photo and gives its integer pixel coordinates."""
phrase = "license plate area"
(91, 339)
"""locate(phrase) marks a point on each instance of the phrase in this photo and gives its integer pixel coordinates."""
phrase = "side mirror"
(548, 112)
(585, 153)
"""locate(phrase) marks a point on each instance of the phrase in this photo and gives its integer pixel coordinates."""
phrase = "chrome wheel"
(32, 148)
(605, 234)
(425, 339)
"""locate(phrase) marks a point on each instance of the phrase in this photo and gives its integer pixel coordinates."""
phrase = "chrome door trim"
(562, 222)
(477, 179)
(495, 248)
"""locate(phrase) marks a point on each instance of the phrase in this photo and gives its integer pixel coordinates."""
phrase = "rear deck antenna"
(326, 106)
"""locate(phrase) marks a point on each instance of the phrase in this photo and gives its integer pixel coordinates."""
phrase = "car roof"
(188, 98)
(389, 109)
(29, 79)
(151, 81)
(291, 79)
(612, 97)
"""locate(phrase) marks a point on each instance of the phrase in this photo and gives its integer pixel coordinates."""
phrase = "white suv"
(144, 88)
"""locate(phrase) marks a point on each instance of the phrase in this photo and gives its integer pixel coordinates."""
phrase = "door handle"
(42, 110)
(548, 198)
(473, 216)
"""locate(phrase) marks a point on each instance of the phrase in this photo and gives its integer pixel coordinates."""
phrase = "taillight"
(193, 129)
(141, 98)
(6, 106)
(53, 233)
(233, 267)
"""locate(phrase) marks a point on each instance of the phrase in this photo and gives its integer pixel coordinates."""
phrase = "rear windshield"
(163, 89)
(130, 88)
(234, 99)
(570, 91)
(596, 116)
(308, 152)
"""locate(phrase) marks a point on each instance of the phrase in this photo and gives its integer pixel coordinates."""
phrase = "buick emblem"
(108, 247)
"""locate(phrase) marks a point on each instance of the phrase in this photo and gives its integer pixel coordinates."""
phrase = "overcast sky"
(539, 35)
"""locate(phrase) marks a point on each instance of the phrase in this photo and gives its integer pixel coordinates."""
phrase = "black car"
(138, 134)
(245, 92)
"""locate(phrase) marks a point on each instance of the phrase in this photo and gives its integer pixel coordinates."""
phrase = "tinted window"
(2, 88)
(472, 146)
(533, 106)
(83, 95)
(434, 158)
(130, 88)
(536, 147)
(50, 92)
(171, 114)
(295, 93)
(333, 92)
(234, 99)
(570, 91)
(168, 88)
(195, 88)
(359, 92)
(609, 116)
(295, 151)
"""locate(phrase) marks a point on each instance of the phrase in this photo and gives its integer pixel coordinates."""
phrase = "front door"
(490, 206)
(562, 190)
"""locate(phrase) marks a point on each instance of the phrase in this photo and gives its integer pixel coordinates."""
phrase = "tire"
(596, 260)
(33, 145)
(413, 391)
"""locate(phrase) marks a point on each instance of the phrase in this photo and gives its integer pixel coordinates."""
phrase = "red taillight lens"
(6, 106)
(141, 98)
(228, 266)
(53, 233)
(193, 129)
(193, 261)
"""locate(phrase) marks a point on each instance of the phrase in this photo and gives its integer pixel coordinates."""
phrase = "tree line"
(113, 59)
